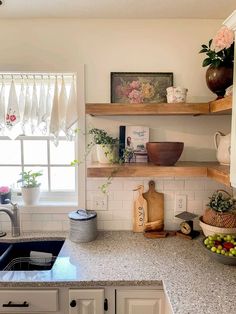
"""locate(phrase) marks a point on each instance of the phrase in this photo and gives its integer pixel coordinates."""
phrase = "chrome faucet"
(15, 218)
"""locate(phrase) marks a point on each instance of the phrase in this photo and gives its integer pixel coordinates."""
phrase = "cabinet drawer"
(28, 301)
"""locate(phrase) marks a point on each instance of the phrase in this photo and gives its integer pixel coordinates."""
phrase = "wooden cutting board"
(139, 211)
(155, 208)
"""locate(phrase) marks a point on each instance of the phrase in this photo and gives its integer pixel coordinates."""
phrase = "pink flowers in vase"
(220, 49)
(5, 194)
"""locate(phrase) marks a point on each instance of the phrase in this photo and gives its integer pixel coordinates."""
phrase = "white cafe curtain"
(34, 104)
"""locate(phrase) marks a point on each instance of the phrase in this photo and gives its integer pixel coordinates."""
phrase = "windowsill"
(48, 207)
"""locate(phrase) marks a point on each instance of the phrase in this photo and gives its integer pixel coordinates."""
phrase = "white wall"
(125, 45)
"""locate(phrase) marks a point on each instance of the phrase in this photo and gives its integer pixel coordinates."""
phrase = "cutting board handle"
(151, 185)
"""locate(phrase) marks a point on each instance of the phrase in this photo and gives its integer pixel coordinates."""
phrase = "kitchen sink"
(29, 255)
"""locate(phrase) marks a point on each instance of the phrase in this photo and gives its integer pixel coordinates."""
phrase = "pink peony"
(223, 39)
(135, 85)
(135, 97)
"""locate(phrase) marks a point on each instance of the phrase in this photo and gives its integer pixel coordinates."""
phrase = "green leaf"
(204, 46)
(210, 42)
(203, 50)
(206, 62)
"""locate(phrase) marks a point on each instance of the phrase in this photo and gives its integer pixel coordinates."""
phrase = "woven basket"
(218, 219)
(222, 220)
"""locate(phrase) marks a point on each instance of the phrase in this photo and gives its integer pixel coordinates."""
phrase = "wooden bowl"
(164, 153)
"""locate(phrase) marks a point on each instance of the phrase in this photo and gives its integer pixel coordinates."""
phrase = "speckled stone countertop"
(193, 282)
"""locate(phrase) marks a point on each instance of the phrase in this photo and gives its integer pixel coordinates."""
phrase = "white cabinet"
(86, 301)
(28, 301)
(231, 23)
(140, 302)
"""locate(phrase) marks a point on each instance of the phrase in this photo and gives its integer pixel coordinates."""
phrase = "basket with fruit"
(221, 210)
(222, 248)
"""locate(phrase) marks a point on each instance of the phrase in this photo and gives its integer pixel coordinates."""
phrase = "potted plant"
(30, 187)
(220, 213)
(106, 146)
(220, 58)
(5, 193)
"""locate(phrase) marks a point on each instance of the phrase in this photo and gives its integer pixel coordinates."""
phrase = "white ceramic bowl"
(210, 230)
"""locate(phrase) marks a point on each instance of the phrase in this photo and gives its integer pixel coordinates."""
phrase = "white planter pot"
(211, 230)
(30, 195)
(106, 154)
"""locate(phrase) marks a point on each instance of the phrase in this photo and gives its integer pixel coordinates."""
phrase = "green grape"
(223, 252)
(218, 251)
(213, 249)
(219, 247)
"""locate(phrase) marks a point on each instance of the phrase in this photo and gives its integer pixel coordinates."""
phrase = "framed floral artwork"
(140, 87)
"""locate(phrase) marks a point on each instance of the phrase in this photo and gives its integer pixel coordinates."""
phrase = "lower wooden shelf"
(182, 169)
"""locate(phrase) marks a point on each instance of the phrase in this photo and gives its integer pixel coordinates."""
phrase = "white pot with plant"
(106, 145)
(30, 187)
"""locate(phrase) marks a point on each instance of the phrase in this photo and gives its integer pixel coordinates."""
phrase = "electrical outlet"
(180, 203)
(99, 202)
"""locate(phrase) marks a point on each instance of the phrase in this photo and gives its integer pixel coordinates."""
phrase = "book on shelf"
(133, 139)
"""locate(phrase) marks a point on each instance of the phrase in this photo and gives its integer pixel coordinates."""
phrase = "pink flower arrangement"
(220, 49)
(4, 190)
(135, 96)
(223, 39)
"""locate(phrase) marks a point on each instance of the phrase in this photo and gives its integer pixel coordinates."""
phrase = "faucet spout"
(14, 217)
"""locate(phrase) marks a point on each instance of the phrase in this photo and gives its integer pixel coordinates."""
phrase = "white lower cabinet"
(28, 301)
(86, 301)
(140, 302)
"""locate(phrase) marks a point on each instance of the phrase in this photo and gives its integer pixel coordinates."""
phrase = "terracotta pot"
(164, 153)
(219, 78)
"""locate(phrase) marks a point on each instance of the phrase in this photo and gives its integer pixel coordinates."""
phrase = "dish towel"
(22, 100)
(47, 114)
(62, 106)
(72, 109)
(42, 103)
(34, 109)
(13, 114)
(2, 107)
(54, 128)
(27, 108)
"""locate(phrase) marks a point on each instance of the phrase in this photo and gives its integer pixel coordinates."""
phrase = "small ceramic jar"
(176, 94)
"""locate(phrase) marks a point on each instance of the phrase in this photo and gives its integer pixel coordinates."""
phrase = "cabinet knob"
(73, 303)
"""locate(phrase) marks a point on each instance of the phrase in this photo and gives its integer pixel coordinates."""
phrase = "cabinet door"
(86, 301)
(140, 302)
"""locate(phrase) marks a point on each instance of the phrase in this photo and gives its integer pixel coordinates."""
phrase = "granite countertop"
(192, 281)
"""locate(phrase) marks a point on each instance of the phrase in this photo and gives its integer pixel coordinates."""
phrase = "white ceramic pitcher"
(222, 145)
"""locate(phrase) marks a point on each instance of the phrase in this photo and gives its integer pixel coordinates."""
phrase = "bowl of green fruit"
(221, 247)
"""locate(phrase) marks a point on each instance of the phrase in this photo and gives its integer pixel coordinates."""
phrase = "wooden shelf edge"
(116, 109)
(182, 169)
(221, 106)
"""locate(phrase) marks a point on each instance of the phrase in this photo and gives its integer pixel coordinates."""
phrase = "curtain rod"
(37, 73)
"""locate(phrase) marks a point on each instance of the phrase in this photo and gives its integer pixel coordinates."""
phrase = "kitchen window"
(38, 153)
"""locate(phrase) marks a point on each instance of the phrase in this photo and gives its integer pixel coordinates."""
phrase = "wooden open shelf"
(182, 169)
(222, 106)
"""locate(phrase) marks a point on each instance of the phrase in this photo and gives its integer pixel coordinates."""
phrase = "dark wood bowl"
(164, 153)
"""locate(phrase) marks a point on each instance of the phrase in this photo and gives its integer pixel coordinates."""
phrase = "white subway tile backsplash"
(173, 185)
(123, 195)
(118, 215)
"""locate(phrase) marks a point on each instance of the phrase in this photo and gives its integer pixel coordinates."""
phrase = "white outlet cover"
(180, 203)
(100, 202)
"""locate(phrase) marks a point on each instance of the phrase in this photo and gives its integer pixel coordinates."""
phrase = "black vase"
(4, 197)
(219, 78)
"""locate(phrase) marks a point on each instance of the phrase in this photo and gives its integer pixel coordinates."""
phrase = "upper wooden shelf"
(182, 169)
(222, 106)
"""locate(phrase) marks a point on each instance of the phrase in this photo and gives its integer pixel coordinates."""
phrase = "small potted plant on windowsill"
(107, 146)
(5, 193)
(30, 187)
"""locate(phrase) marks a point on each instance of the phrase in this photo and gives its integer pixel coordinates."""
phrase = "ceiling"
(146, 9)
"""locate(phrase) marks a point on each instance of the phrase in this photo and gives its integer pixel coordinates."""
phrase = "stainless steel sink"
(16, 256)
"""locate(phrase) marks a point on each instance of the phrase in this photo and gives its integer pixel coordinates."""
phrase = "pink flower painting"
(138, 88)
